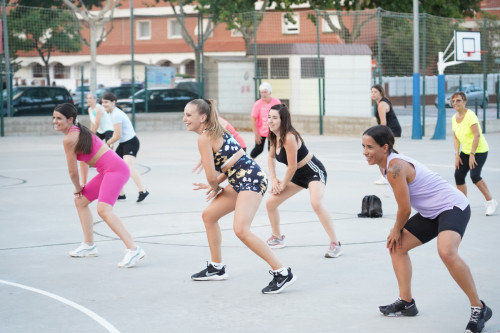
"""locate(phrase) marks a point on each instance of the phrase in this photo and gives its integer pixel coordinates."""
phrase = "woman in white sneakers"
(303, 171)
(81, 145)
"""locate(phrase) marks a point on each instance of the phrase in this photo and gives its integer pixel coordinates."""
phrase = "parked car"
(474, 95)
(120, 92)
(36, 100)
(159, 100)
(79, 93)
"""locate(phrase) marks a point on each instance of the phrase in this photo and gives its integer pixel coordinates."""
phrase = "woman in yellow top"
(471, 150)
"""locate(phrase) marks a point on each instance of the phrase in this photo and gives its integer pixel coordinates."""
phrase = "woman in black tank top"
(385, 113)
(303, 171)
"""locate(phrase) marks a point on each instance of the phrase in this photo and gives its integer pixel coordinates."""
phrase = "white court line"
(88, 312)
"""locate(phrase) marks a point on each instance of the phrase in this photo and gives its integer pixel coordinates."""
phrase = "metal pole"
(319, 71)
(7, 58)
(424, 63)
(379, 42)
(498, 94)
(132, 58)
(417, 126)
(81, 91)
(2, 109)
(485, 77)
(255, 86)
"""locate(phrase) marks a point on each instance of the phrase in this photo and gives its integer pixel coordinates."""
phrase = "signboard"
(160, 76)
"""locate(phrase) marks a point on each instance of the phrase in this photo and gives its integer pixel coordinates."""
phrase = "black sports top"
(301, 154)
(392, 120)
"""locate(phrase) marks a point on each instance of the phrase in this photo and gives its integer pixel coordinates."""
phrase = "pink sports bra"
(96, 144)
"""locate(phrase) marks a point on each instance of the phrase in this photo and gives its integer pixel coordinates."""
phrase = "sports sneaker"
(478, 317)
(334, 251)
(122, 197)
(276, 242)
(279, 282)
(399, 308)
(84, 250)
(381, 181)
(142, 196)
(132, 257)
(210, 274)
(491, 207)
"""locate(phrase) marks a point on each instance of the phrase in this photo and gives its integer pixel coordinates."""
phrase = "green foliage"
(42, 30)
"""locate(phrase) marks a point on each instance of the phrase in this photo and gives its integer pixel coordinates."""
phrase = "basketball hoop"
(469, 53)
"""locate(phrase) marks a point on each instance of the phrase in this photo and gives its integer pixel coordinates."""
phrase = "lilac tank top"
(430, 194)
(96, 144)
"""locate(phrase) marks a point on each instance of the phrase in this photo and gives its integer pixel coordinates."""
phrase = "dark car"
(120, 92)
(35, 100)
(159, 100)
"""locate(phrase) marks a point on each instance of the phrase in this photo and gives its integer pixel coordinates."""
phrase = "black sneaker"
(142, 196)
(279, 282)
(478, 317)
(399, 308)
(122, 197)
(210, 274)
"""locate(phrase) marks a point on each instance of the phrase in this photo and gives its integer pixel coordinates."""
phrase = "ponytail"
(208, 108)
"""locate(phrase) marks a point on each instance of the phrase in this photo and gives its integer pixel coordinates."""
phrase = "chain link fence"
(318, 62)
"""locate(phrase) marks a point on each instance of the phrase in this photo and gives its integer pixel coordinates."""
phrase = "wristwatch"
(472, 153)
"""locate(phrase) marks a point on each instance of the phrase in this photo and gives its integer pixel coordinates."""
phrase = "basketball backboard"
(467, 46)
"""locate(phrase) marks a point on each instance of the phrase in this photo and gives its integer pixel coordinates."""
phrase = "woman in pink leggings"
(81, 145)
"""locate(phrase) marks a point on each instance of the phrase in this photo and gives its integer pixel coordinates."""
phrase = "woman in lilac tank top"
(442, 212)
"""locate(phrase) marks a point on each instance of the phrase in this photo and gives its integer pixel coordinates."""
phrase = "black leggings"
(259, 147)
(463, 169)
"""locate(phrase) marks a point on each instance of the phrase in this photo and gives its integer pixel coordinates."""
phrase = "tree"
(43, 30)
(180, 16)
(95, 22)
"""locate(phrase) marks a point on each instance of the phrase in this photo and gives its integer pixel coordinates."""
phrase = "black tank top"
(301, 154)
(392, 120)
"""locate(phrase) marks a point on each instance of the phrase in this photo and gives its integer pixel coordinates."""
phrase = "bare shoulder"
(397, 168)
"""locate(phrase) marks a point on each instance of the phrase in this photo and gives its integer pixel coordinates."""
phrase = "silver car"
(474, 95)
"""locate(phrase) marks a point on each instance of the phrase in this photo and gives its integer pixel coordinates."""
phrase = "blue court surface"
(43, 289)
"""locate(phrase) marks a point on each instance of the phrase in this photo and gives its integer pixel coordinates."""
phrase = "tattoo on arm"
(395, 170)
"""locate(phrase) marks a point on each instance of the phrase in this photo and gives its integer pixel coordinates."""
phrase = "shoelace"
(475, 313)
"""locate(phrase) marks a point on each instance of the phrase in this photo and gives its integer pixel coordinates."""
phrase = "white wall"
(347, 85)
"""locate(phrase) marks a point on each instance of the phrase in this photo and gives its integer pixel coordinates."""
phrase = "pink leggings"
(113, 175)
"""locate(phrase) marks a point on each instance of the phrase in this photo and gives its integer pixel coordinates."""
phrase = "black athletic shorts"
(130, 147)
(427, 229)
(313, 170)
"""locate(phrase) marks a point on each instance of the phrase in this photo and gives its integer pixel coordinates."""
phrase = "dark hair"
(208, 108)
(461, 94)
(84, 144)
(285, 127)
(383, 136)
(109, 96)
(380, 89)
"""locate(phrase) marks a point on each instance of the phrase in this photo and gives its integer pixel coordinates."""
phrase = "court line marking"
(86, 311)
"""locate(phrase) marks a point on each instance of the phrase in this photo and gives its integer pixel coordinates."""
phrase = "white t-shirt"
(119, 117)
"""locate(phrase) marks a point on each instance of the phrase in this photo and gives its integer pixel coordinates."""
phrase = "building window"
(206, 22)
(262, 69)
(309, 68)
(190, 68)
(236, 33)
(60, 72)
(290, 26)
(143, 29)
(279, 68)
(38, 70)
(174, 29)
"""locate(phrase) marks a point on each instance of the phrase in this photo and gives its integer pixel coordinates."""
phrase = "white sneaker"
(275, 242)
(491, 207)
(84, 250)
(131, 257)
(381, 181)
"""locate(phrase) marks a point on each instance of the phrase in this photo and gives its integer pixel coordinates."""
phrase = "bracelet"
(472, 153)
